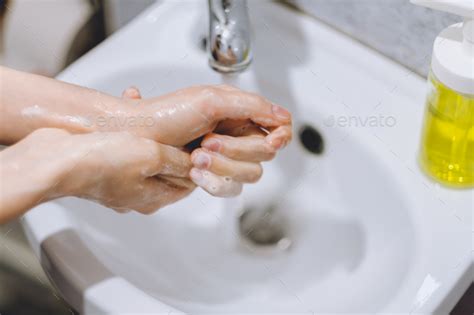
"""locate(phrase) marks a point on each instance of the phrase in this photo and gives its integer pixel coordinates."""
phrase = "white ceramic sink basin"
(369, 233)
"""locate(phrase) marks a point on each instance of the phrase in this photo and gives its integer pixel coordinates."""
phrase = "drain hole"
(311, 139)
(264, 227)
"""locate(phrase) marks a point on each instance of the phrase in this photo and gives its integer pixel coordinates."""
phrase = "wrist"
(68, 177)
(127, 115)
(113, 114)
(49, 157)
(57, 161)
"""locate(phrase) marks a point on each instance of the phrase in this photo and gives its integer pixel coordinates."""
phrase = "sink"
(368, 232)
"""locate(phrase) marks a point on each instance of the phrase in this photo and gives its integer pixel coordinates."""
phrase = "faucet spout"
(229, 36)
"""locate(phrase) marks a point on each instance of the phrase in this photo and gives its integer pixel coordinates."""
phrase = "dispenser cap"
(453, 51)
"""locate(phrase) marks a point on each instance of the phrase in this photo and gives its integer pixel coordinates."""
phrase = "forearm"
(24, 183)
(29, 102)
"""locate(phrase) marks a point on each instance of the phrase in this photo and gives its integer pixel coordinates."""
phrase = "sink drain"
(311, 139)
(264, 228)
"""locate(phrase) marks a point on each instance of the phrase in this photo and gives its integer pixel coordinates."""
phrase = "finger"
(167, 160)
(253, 148)
(132, 93)
(280, 137)
(215, 185)
(240, 171)
(241, 105)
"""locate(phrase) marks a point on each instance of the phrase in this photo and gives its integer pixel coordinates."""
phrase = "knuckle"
(199, 162)
(207, 102)
(257, 98)
(148, 150)
(195, 152)
(209, 92)
(214, 142)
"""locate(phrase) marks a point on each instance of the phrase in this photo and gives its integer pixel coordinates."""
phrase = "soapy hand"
(126, 172)
(116, 169)
(232, 156)
(232, 120)
(187, 114)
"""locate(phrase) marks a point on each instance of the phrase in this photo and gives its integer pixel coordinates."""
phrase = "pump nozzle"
(464, 8)
(453, 54)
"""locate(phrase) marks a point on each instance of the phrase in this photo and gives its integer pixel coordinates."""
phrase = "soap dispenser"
(447, 144)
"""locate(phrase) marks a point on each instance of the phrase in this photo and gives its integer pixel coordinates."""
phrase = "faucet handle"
(229, 35)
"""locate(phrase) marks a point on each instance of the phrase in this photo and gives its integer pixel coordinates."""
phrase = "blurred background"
(44, 36)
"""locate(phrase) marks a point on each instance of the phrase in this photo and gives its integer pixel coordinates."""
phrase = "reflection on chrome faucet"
(229, 35)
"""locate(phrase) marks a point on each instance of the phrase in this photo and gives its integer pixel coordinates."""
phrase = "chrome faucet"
(229, 35)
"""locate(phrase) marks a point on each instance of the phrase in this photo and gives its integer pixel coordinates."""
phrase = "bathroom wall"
(120, 12)
(37, 34)
(396, 28)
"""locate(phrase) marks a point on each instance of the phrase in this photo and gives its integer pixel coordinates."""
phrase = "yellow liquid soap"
(447, 145)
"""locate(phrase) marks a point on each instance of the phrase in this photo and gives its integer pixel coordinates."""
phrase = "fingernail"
(212, 145)
(280, 112)
(202, 160)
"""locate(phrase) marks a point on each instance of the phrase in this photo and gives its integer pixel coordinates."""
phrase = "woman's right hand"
(126, 172)
(117, 169)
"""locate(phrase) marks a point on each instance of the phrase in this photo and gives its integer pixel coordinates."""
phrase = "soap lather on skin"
(216, 185)
(36, 111)
(32, 111)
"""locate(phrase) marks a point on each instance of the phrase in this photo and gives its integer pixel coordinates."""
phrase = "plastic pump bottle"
(447, 144)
